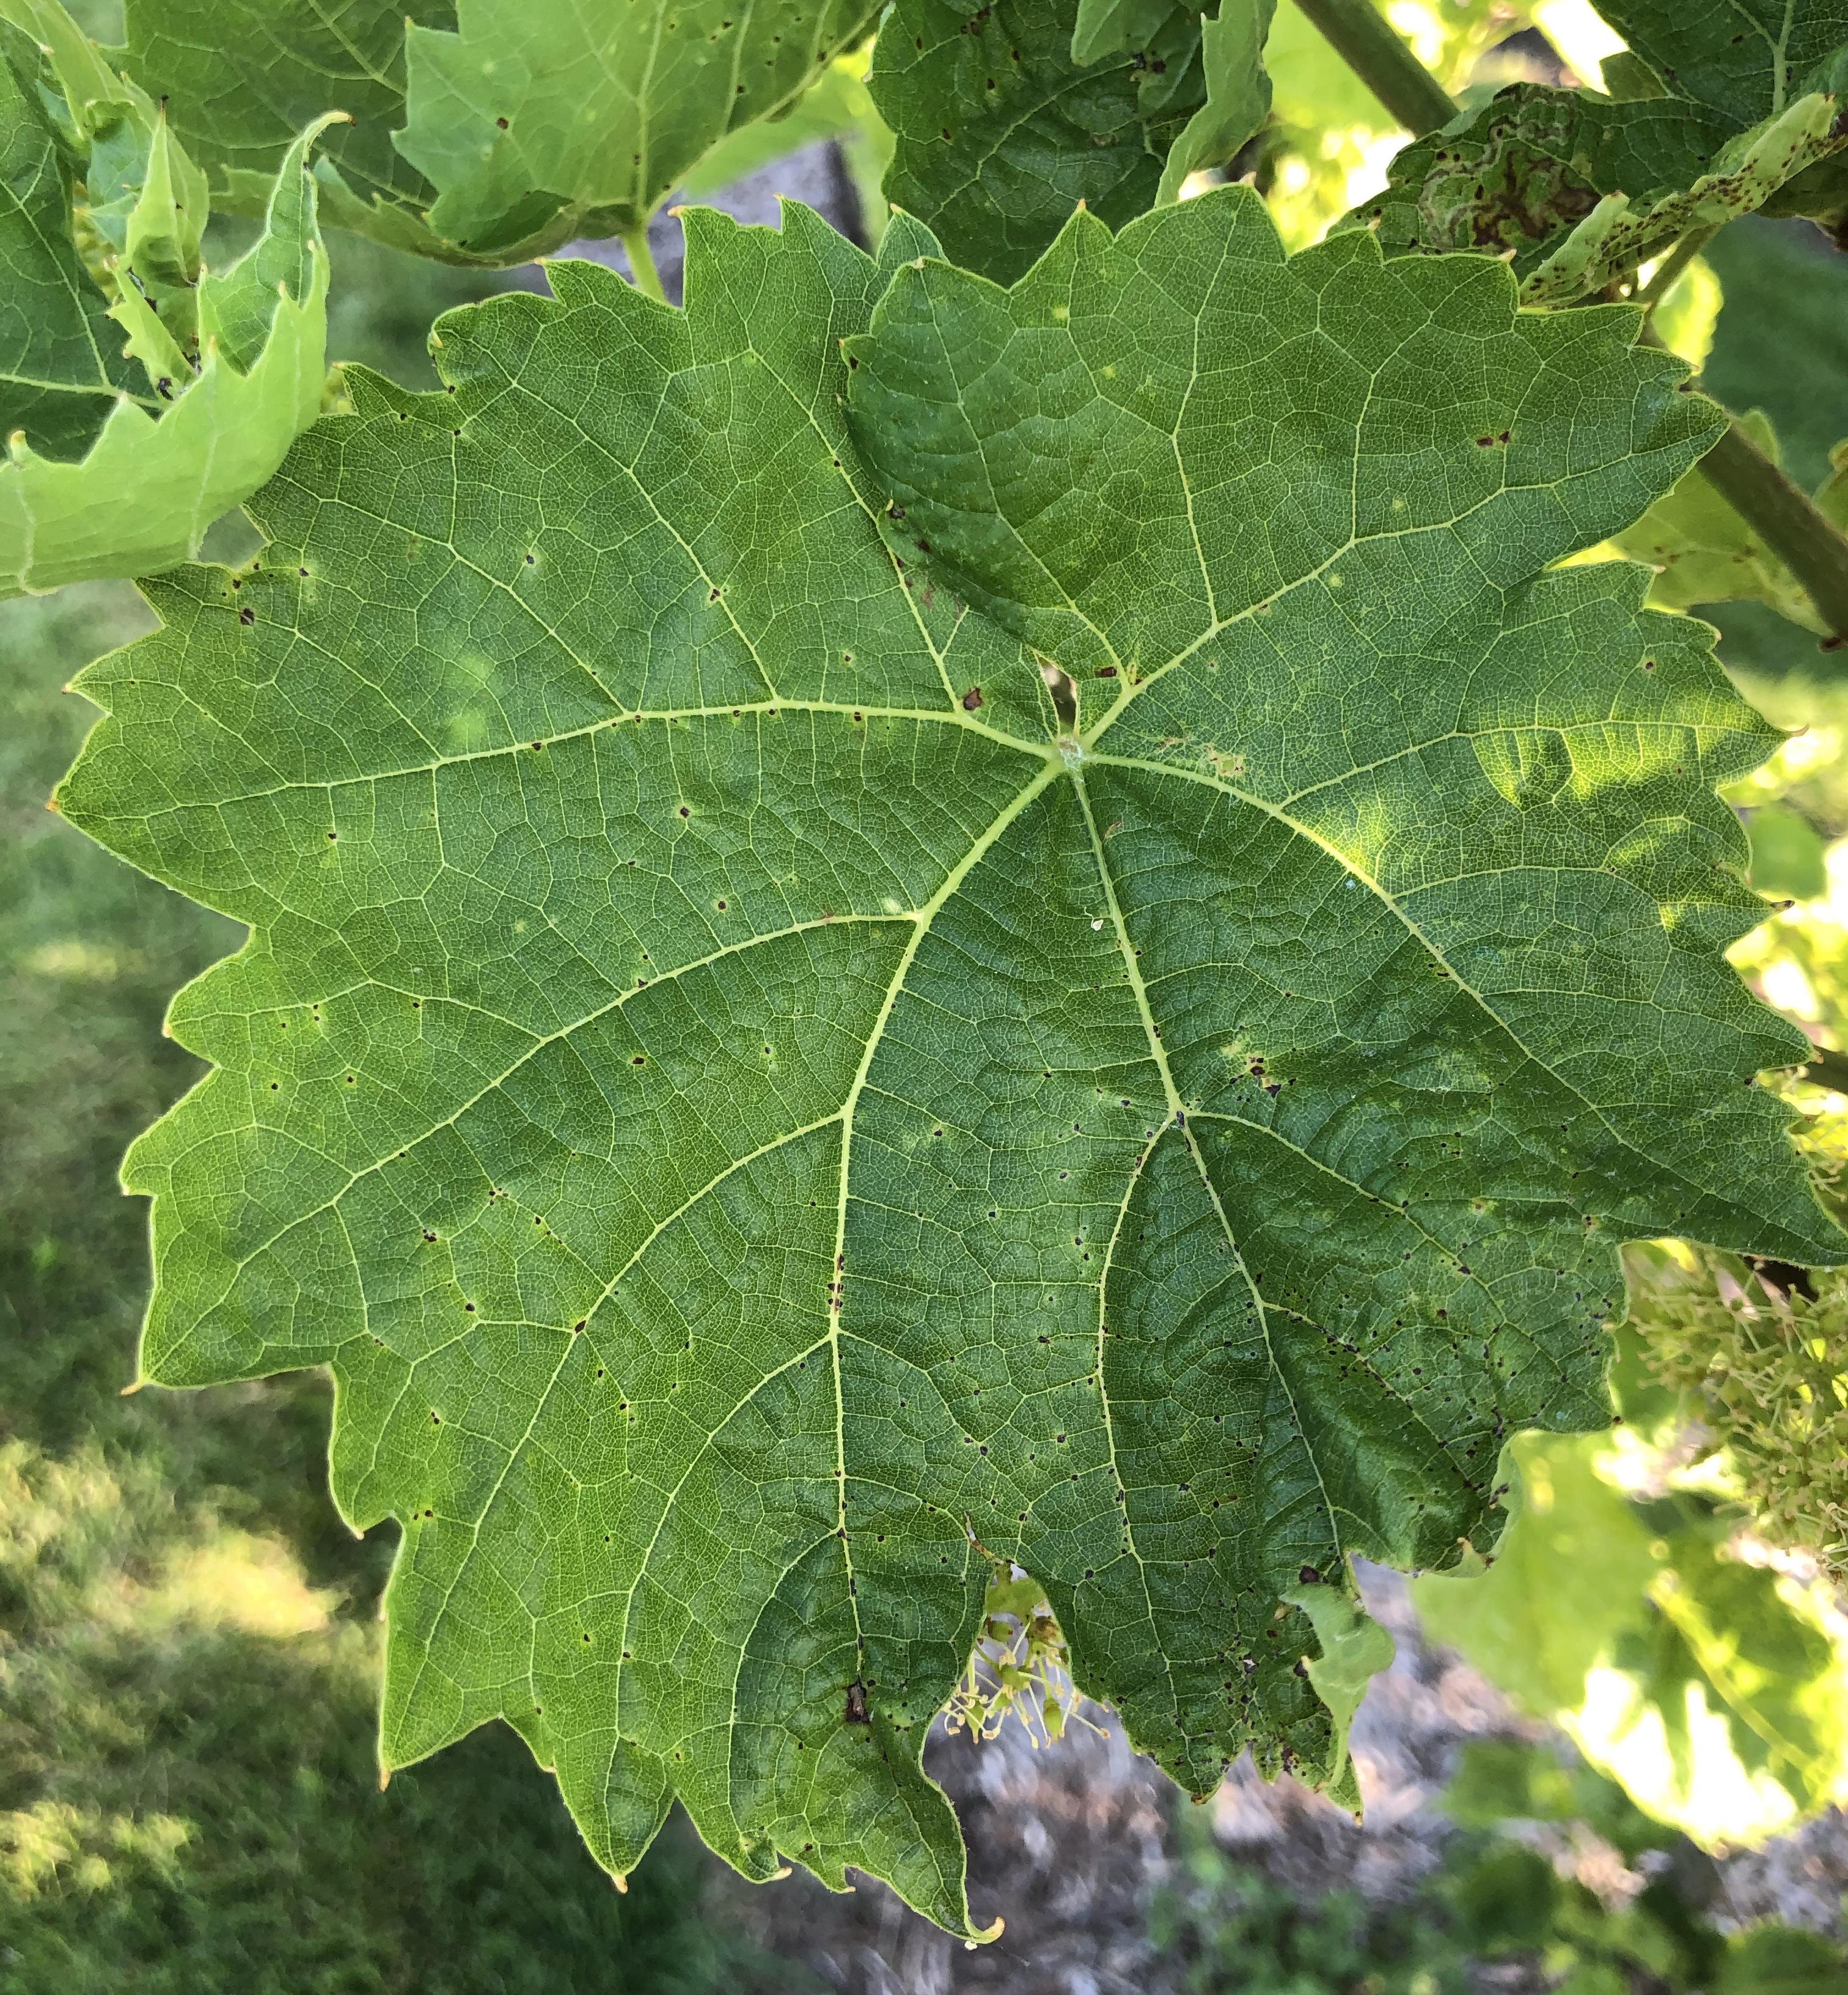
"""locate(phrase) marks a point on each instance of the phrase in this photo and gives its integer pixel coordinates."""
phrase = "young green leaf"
(1015, 926)
(1238, 92)
(134, 494)
(1232, 81)
(1001, 131)
(1355, 1649)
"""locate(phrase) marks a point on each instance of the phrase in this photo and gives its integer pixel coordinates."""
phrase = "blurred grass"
(189, 1640)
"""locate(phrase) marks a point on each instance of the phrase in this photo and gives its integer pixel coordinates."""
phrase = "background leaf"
(242, 78)
(1735, 62)
(1332, 137)
(1713, 1690)
(62, 368)
(142, 497)
(485, 134)
(1000, 133)
(1620, 235)
(1538, 168)
(1703, 552)
(538, 118)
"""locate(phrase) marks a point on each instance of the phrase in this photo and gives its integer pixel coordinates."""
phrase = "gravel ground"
(1067, 1845)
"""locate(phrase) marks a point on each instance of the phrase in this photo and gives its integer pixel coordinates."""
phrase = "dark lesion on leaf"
(1511, 183)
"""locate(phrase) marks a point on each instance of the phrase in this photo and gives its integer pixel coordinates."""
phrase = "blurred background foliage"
(189, 1641)
(1552, 1867)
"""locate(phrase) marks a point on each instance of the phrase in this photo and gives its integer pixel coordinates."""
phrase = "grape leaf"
(1702, 550)
(488, 132)
(538, 109)
(1238, 92)
(62, 368)
(1733, 61)
(1328, 128)
(1082, 963)
(1734, 64)
(1715, 1695)
(838, 106)
(1354, 1649)
(1620, 235)
(1001, 131)
(103, 477)
(242, 77)
(1742, 61)
(1717, 110)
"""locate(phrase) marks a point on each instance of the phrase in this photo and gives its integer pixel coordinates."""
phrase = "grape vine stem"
(1374, 49)
(1668, 272)
(1790, 524)
(641, 263)
(1783, 515)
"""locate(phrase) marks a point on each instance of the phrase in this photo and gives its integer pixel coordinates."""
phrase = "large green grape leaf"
(122, 451)
(1001, 130)
(492, 130)
(1083, 963)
